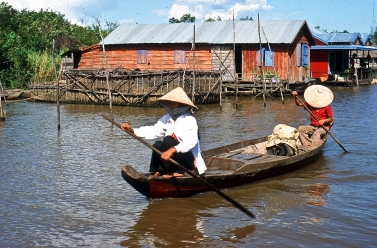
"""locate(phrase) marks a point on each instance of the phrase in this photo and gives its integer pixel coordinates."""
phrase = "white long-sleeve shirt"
(185, 129)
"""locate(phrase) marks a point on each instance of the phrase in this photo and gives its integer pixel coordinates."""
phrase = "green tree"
(210, 19)
(174, 20)
(247, 18)
(26, 42)
(185, 18)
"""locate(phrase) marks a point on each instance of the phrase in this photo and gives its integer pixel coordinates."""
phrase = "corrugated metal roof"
(343, 47)
(246, 32)
(318, 34)
(336, 37)
(365, 37)
(350, 38)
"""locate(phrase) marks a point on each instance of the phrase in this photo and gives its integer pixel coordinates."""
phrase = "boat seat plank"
(219, 172)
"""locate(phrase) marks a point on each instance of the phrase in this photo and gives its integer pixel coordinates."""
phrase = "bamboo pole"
(261, 64)
(57, 84)
(107, 68)
(234, 62)
(276, 75)
(193, 79)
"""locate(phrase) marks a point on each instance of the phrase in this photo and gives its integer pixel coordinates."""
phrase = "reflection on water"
(317, 194)
(158, 224)
(64, 188)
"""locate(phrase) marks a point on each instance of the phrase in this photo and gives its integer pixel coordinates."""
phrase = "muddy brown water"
(64, 188)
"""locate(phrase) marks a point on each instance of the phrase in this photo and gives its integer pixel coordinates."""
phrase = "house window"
(267, 57)
(302, 54)
(142, 56)
(179, 56)
(305, 54)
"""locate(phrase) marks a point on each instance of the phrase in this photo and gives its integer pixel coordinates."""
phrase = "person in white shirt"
(180, 136)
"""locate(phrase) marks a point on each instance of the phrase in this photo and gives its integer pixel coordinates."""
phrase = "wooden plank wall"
(160, 57)
(284, 60)
(281, 60)
(223, 59)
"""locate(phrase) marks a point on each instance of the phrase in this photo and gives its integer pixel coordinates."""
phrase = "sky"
(329, 15)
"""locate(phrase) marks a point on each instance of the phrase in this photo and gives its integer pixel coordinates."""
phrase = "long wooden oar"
(315, 117)
(229, 199)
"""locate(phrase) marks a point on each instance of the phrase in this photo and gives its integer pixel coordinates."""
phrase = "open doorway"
(238, 60)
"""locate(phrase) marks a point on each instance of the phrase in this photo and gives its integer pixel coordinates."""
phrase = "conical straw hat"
(177, 95)
(318, 96)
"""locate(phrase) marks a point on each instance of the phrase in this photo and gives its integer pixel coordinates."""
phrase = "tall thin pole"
(276, 75)
(261, 64)
(107, 68)
(193, 78)
(57, 84)
(234, 61)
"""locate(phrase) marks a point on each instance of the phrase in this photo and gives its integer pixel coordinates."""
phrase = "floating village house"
(341, 56)
(144, 61)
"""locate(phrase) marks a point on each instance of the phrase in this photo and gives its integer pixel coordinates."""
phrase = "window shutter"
(268, 57)
(298, 54)
(142, 56)
(305, 54)
(259, 56)
(179, 56)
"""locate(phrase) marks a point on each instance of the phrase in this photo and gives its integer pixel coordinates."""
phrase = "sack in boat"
(284, 134)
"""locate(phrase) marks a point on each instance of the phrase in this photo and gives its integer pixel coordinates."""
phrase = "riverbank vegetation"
(26, 39)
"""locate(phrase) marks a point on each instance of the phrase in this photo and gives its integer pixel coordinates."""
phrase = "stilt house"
(237, 49)
(341, 56)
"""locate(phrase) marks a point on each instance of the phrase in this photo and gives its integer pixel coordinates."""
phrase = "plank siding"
(160, 57)
(284, 61)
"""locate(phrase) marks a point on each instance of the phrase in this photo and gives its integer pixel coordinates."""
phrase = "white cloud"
(69, 8)
(178, 10)
(224, 9)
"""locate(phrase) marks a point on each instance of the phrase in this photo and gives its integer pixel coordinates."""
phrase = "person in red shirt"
(317, 99)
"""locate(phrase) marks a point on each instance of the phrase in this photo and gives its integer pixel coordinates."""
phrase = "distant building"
(341, 54)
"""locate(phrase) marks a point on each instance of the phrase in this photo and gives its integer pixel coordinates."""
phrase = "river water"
(64, 188)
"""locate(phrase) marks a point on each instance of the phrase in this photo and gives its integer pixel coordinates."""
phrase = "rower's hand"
(322, 122)
(126, 127)
(167, 154)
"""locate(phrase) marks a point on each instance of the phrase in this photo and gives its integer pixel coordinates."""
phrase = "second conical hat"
(177, 95)
(318, 96)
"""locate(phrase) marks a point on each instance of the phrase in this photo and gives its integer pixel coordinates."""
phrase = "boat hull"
(223, 171)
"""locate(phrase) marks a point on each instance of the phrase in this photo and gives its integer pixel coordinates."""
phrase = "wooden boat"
(12, 94)
(228, 166)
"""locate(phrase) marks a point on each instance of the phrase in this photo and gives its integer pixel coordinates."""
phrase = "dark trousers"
(157, 164)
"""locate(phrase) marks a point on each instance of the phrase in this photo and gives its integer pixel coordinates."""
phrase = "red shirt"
(320, 113)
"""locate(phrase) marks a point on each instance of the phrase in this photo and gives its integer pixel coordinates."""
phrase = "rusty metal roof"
(246, 32)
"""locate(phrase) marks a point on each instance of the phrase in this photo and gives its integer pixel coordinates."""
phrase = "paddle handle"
(226, 197)
(315, 117)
